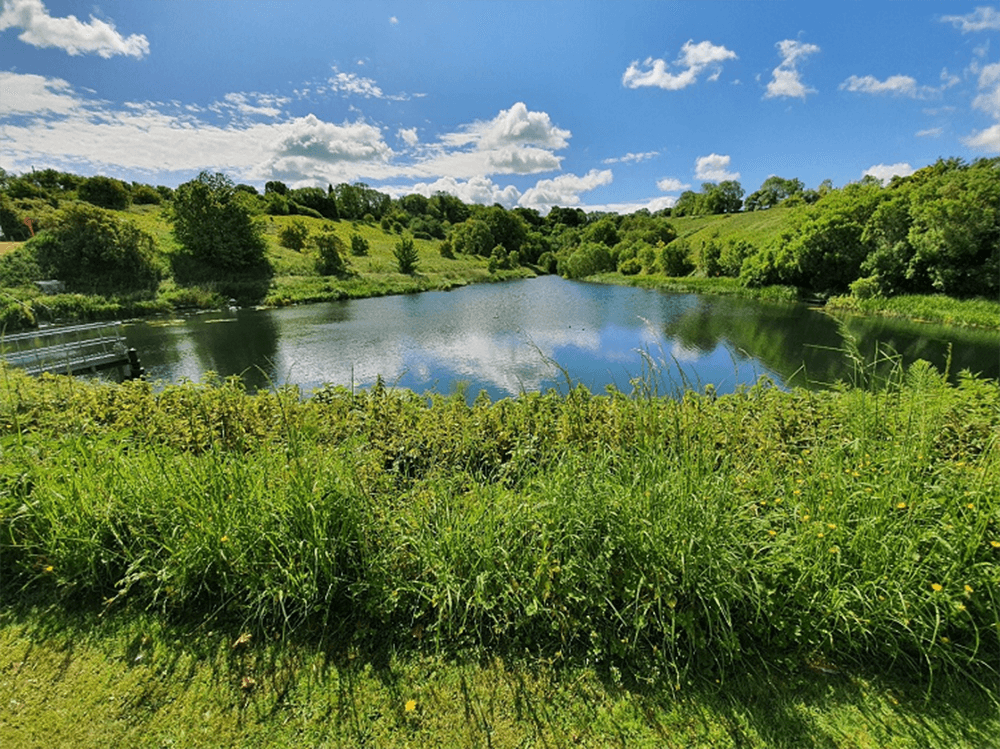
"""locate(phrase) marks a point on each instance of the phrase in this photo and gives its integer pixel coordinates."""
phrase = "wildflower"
(796, 492)
(772, 533)
(834, 550)
(49, 568)
(945, 640)
(937, 587)
(820, 535)
(971, 506)
(968, 588)
(411, 705)
(960, 607)
(224, 539)
(831, 526)
(901, 506)
(995, 544)
(805, 518)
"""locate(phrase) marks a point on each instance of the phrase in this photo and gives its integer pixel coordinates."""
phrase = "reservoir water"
(539, 333)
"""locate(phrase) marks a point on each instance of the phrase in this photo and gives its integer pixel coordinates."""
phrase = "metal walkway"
(70, 350)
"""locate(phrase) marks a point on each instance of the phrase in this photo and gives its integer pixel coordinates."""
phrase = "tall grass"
(854, 525)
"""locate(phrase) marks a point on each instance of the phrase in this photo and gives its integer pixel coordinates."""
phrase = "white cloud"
(29, 94)
(517, 126)
(931, 132)
(632, 158)
(393, 20)
(408, 136)
(886, 172)
(251, 104)
(476, 190)
(897, 85)
(712, 168)
(989, 83)
(692, 61)
(785, 79)
(986, 140)
(70, 34)
(981, 19)
(652, 205)
(563, 190)
(352, 84)
(671, 184)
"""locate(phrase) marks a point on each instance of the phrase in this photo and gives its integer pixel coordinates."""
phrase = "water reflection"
(531, 335)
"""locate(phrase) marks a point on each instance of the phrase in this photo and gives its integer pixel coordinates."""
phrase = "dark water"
(534, 334)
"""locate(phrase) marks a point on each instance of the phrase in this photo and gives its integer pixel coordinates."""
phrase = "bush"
(93, 250)
(865, 288)
(406, 255)
(359, 245)
(331, 260)
(674, 259)
(104, 192)
(446, 250)
(294, 236)
(19, 268)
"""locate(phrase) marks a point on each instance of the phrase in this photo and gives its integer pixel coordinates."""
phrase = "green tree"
(359, 245)
(407, 258)
(94, 250)
(216, 228)
(331, 261)
(472, 237)
(105, 193)
(294, 236)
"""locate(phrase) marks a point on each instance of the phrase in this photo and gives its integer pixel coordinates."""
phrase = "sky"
(610, 106)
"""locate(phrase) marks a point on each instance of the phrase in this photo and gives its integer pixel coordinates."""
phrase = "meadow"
(643, 546)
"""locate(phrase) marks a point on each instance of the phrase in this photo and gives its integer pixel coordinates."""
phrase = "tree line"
(935, 231)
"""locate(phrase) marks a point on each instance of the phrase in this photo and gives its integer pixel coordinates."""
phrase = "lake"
(530, 335)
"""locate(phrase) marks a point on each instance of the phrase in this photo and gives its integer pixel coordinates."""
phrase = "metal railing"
(67, 350)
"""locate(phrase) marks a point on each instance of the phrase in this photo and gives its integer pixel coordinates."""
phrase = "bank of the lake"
(661, 566)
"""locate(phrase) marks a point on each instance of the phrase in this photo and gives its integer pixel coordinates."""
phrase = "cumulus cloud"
(985, 140)
(408, 136)
(886, 172)
(315, 140)
(517, 126)
(786, 79)
(632, 158)
(39, 29)
(476, 190)
(672, 184)
(251, 104)
(693, 60)
(981, 19)
(563, 190)
(712, 168)
(896, 85)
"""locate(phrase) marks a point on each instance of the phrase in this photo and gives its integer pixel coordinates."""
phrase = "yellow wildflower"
(995, 544)
(937, 587)
(411, 705)
(224, 539)
(901, 506)
(49, 568)
(968, 588)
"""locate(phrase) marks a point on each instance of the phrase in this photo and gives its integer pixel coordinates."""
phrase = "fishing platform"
(72, 349)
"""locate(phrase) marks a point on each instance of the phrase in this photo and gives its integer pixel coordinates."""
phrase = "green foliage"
(359, 245)
(93, 250)
(331, 260)
(473, 237)
(214, 224)
(675, 260)
(145, 195)
(446, 249)
(589, 258)
(12, 221)
(294, 236)
(407, 258)
(19, 268)
(105, 192)
(667, 537)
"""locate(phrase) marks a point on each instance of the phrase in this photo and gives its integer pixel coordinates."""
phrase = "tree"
(331, 260)
(472, 237)
(359, 245)
(105, 192)
(216, 228)
(406, 255)
(294, 236)
(94, 250)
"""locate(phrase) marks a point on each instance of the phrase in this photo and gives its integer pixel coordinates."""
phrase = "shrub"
(93, 250)
(104, 192)
(359, 245)
(331, 260)
(406, 255)
(675, 260)
(294, 236)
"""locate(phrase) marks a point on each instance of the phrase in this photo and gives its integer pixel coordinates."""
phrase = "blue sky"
(602, 105)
